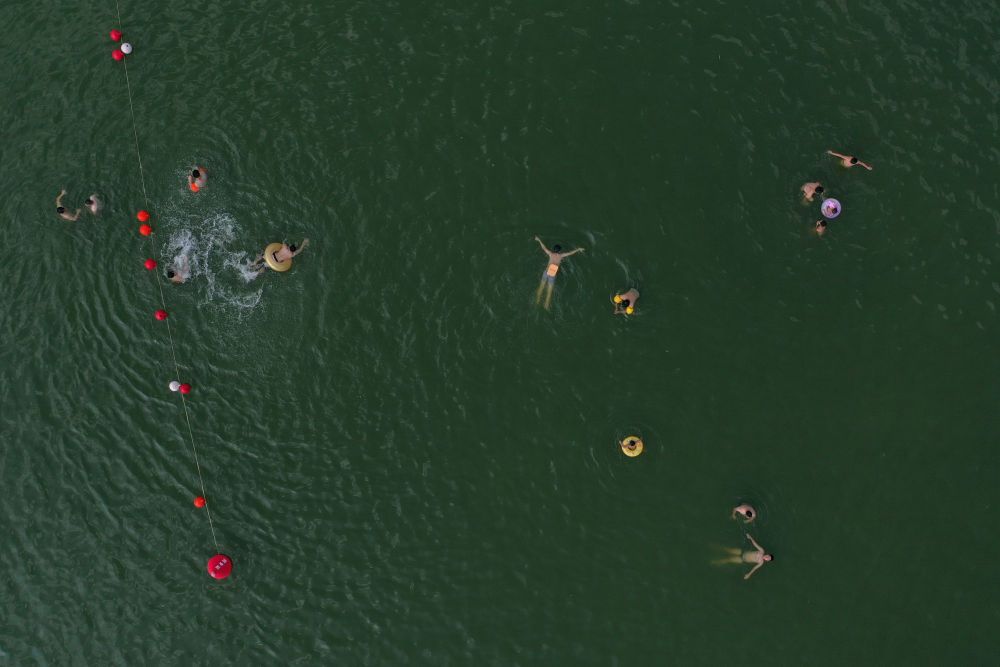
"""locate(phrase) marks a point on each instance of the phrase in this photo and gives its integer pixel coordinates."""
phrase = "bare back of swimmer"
(849, 160)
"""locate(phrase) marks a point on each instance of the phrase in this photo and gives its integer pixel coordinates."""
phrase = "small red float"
(199, 501)
(142, 216)
(116, 35)
(117, 54)
(145, 230)
(160, 315)
(194, 186)
(150, 264)
(185, 388)
(220, 566)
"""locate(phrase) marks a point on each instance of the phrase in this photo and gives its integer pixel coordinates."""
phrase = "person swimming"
(849, 160)
(180, 271)
(821, 227)
(93, 204)
(197, 178)
(809, 190)
(556, 256)
(757, 557)
(282, 254)
(61, 210)
(746, 511)
(625, 303)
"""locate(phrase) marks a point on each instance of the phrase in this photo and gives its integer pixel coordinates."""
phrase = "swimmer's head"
(748, 514)
(88, 201)
(854, 160)
(819, 189)
(195, 173)
(767, 558)
(626, 302)
(557, 248)
(170, 274)
(292, 247)
(821, 224)
(60, 209)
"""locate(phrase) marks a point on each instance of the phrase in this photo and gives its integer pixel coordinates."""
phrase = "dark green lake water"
(410, 462)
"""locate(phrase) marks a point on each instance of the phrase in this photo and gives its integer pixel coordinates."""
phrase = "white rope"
(163, 302)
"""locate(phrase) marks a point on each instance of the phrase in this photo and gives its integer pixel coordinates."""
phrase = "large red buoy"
(199, 501)
(150, 264)
(116, 35)
(142, 216)
(145, 230)
(160, 315)
(117, 54)
(220, 566)
(185, 388)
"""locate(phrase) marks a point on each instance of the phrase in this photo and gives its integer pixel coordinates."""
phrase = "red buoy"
(116, 35)
(145, 230)
(160, 315)
(199, 501)
(150, 264)
(142, 216)
(185, 388)
(220, 566)
(117, 54)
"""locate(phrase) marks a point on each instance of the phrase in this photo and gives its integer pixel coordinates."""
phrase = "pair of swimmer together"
(756, 557)
(624, 303)
(814, 188)
(92, 204)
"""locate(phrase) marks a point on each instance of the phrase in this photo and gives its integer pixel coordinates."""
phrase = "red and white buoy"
(220, 566)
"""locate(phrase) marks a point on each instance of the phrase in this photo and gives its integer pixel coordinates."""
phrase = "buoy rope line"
(163, 301)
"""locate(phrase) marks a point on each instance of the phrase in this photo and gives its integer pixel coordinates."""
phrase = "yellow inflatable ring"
(632, 446)
(275, 265)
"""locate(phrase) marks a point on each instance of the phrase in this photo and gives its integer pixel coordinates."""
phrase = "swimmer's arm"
(755, 568)
(754, 542)
(302, 246)
(544, 249)
(76, 215)
(59, 198)
(571, 252)
(865, 165)
(836, 154)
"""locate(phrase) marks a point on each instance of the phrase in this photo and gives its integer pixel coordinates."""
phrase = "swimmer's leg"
(548, 295)
(538, 294)
(732, 560)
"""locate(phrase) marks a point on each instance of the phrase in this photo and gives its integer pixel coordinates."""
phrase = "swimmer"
(197, 178)
(820, 227)
(285, 252)
(849, 160)
(757, 557)
(549, 277)
(61, 210)
(809, 190)
(625, 303)
(180, 271)
(746, 511)
(93, 203)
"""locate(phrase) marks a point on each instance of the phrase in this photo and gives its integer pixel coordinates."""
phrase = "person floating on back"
(757, 557)
(625, 303)
(93, 204)
(849, 160)
(810, 190)
(61, 210)
(197, 178)
(549, 277)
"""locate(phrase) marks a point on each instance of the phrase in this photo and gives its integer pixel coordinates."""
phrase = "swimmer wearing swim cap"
(625, 303)
(849, 160)
(93, 204)
(197, 178)
(61, 210)
(746, 511)
(556, 256)
(810, 190)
